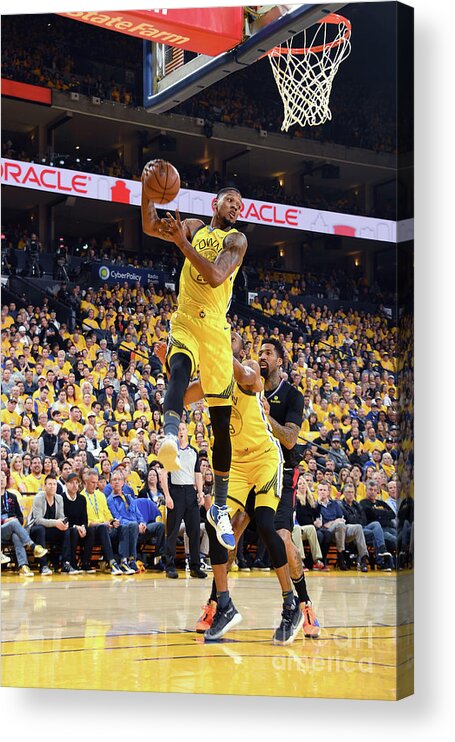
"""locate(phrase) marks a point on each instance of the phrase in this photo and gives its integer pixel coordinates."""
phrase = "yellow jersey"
(97, 507)
(194, 289)
(33, 484)
(251, 434)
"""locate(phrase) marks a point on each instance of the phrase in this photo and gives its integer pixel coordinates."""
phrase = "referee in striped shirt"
(186, 494)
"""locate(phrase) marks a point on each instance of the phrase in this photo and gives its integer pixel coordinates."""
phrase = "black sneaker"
(291, 622)
(69, 569)
(363, 563)
(88, 569)
(243, 566)
(342, 562)
(223, 620)
(158, 567)
(172, 573)
(198, 573)
(259, 565)
(385, 563)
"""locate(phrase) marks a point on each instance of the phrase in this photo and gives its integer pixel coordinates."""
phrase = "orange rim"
(332, 18)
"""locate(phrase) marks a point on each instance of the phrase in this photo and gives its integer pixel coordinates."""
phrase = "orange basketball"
(161, 181)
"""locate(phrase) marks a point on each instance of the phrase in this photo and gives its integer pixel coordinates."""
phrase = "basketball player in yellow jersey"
(199, 334)
(254, 490)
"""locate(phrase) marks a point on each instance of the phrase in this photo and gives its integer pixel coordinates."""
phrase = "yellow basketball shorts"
(264, 474)
(208, 345)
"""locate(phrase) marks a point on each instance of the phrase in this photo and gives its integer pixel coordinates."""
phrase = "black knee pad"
(180, 368)
(220, 419)
(217, 553)
(265, 522)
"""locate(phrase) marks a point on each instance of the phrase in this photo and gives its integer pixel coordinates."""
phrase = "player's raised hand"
(174, 228)
(148, 167)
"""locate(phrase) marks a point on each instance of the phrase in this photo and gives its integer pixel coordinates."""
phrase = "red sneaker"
(320, 566)
(206, 619)
(311, 627)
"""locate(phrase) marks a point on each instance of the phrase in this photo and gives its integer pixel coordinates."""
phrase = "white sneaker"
(168, 454)
(218, 516)
(4, 559)
(25, 571)
(126, 569)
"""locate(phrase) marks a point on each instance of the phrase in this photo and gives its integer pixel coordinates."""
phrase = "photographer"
(9, 260)
(61, 261)
(32, 250)
(85, 267)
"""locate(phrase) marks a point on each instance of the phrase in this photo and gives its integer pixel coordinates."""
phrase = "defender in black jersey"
(283, 405)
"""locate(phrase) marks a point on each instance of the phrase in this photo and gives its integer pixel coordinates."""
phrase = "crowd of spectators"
(249, 99)
(55, 52)
(59, 54)
(87, 401)
(279, 291)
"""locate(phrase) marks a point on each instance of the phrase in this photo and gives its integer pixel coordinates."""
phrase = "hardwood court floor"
(137, 634)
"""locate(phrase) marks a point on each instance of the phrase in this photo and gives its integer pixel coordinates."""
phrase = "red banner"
(26, 92)
(205, 30)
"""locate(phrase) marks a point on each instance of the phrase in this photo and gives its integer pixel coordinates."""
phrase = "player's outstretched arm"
(234, 248)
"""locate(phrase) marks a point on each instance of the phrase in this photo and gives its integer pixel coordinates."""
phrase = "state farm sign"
(204, 30)
(199, 203)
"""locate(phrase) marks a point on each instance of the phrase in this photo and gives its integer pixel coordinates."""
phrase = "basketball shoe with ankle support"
(168, 454)
(218, 516)
(205, 620)
(223, 620)
(311, 627)
(291, 623)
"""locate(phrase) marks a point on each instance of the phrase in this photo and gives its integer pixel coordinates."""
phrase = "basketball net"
(304, 76)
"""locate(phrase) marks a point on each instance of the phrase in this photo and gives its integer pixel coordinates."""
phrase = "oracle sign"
(270, 214)
(122, 191)
(44, 178)
(205, 30)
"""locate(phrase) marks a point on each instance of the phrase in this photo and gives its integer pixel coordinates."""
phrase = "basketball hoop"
(304, 76)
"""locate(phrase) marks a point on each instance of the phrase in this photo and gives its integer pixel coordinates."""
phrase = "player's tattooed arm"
(287, 434)
(231, 256)
(234, 248)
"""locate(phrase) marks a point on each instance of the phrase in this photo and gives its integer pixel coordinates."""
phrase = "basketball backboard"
(173, 75)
